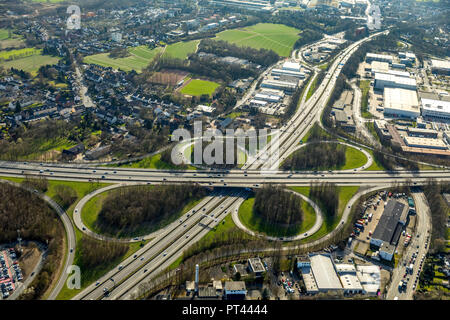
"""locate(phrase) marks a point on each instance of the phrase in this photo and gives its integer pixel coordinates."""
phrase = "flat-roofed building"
(349, 280)
(308, 279)
(256, 266)
(291, 66)
(421, 133)
(290, 73)
(379, 57)
(207, 110)
(235, 290)
(378, 66)
(267, 97)
(401, 103)
(390, 225)
(324, 273)
(426, 143)
(280, 85)
(433, 108)
(383, 80)
(370, 278)
(440, 66)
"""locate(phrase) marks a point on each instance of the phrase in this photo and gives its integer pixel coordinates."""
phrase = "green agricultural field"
(139, 58)
(276, 37)
(199, 87)
(20, 53)
(30, 64)
(4, 34)
(181, 50)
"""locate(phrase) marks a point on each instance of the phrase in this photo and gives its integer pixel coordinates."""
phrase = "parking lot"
(10, 272)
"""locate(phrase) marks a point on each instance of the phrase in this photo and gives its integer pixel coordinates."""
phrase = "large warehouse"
(389, 228)
(401, 103)
(440, 66)
(324, 273)
(383, 80)
(379, 57)
(439, 109)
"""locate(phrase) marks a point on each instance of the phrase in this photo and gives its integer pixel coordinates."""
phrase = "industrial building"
(402, 103)
(378, 66)
(370, 278)
(426, 143)
(324, 273)
(383, 80)
(279, 85)
(259, 5)
(268, 97)
(379, 57)
(421, 133)
(321, 274)
(440, 66)
(433, 108)
(235, 290)
(349, 279)
(291, 66)
(389, 228)
(289, 73)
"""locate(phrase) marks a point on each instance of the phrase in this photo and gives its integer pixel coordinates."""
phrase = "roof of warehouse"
(401, 99)
(388, 222)
(324, 272)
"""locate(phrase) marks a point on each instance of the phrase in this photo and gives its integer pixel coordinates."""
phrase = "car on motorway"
(120, 267)
(145, 270)
(165, 254)
(142, 259)
(135, 256)
(97, 283)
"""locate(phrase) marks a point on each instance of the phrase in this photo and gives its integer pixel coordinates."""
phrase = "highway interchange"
(168, 244)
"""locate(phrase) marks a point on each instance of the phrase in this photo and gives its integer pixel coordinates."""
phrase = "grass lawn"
(276, 37)
(139, 58)
(31, 63)
(256, 224)
(345, 194)
(153, 162)
(198, 87)
(353, 158)
(364, 85)
(10, 42)
(311, 90)
(93, 207)
(376, 166)
(181, 50)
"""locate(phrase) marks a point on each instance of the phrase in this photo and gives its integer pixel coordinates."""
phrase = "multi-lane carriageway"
(232, 178)
(169, 244)
(166, 247)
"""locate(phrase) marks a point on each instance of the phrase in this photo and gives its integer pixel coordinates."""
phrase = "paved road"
(364, 166)
(303, 235)
(232, 178)
(71, 239)
(423, 229)
(166, 247)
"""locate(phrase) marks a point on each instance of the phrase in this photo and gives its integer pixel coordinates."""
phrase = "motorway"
(218, 178)
(165, 248)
